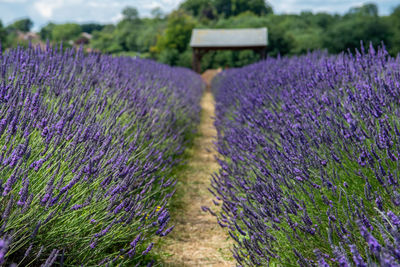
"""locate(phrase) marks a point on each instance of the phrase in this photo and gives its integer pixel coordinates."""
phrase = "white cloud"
(116, 18)
(329, 6)
(93, 10)
(13, 1)
(151, 5)
(46, 7)
(101, 4)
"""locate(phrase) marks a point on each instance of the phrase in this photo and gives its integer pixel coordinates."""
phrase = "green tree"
(130, 13)
(359, 24)
(65, 32)
(91, 27)
(324, 20)
(185, 59)
(3, 35)
(45, 31)
(393, 23)
(147, 34)
(169, 56)
(157, 13)
(228, 8)
(127, 29)
(105, 40)
(23, 25)
(199, 8)
(365, 10)
(177, 33)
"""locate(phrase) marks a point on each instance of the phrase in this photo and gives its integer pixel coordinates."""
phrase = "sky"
(109, 11)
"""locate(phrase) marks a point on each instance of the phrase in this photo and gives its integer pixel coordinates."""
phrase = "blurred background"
(161, 29)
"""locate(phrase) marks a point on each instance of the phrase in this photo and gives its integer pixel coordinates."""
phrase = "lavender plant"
(310, 160)
(88, 143)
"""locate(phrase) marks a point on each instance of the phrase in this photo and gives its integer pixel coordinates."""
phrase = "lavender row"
(87, 146)
(310, 151)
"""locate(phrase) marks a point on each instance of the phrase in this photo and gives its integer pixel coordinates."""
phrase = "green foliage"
(130, 13)
(65, 32)
(11, 40)
(185, 59)
(157, 13)
(199, 8)
(363, 25)
(228, 8)
(365, 10)
(23, 25)
(130, 34)
(105, 40)
(3, 34)
(224, 8)
(91, 27)
(169, 56)
(45, 32)
(147, 35)
(177, 33)
(393, 24)
(229, 59)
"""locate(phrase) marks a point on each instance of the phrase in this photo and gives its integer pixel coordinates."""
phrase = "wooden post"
(263, 53)
(196, 59)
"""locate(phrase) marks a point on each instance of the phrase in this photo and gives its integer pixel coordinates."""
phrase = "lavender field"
(88, 145)
(309, 160)
(92, 150)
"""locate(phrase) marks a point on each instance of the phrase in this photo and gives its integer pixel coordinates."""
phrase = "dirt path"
(197, 239)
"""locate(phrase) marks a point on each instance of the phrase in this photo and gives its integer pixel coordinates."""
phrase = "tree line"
(165, 37)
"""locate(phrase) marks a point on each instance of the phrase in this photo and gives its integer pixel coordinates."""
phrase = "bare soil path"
(197, 239)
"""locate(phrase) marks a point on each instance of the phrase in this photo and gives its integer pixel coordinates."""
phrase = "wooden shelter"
(205, 40)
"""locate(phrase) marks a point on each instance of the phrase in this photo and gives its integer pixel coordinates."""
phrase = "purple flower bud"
(8, 186)
(60, 126)
(28, 251)
(76, 206)
(45, 131)
(51, 259)
(4, 243)
(42, 123)
(93, 244)
(148, 249)
(393, 218)
(167, 231)
(358, 260)
(135, 241)
(119, 208)
(299, 178)
(23, 192)
(37, 164)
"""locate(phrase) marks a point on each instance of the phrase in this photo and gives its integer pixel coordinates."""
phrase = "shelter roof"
(255, 37)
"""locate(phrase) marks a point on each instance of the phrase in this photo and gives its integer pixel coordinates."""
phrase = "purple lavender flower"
(135, 241)
(395, 220)
(60, 126)
(4, 243)
(23, 193)
(148, 248)
(358, 260)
